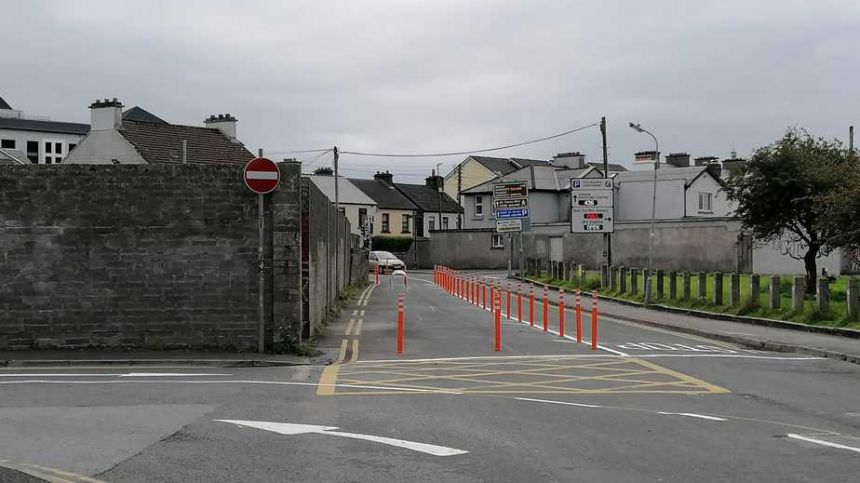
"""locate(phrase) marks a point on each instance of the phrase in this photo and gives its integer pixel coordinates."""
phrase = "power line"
(300, 151)
(460, 153)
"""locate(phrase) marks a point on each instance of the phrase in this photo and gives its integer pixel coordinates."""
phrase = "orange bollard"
(400, 323)
(498, 322)
(532, 305)
(561, 312)
(509, 300)
(483, 294)
(578, 318)
(520, 302)
(545, 308)
(594, 310)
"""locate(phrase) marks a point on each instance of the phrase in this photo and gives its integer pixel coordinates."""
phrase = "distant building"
(691, 192)
(436, 210)
(42, 140)
(395, 213)
(139, 137)
(475, 170)
(358, 208)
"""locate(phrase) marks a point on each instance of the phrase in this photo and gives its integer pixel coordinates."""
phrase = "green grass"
(836, 316)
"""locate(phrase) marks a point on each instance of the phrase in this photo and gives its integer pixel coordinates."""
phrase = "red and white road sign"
(261, 175)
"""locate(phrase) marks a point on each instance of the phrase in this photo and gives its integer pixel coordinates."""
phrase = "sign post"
(592, 203)
(511, 207)
(261, 176)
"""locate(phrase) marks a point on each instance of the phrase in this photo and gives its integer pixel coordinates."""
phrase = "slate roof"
(688, 175)
(162, 143)
(506, 165)
(137, 113)
(16, 124)
(347, 192)
(612, 166)
(537, 178)
(427, 198)
(4, 104)
(385, 196)
(13, 156)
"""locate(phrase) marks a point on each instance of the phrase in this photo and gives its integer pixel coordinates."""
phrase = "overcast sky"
(447, 75)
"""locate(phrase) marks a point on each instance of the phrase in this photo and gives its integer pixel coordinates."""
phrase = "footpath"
(96, 357)
(754, 336)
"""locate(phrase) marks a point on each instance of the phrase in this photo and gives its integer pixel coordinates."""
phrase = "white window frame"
(479, 205)
(445, 223)
(431, 223)
(706, 202)
(497, 241)
(43, 154)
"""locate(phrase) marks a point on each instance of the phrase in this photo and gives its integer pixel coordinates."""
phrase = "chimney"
(434, 181)
(715, 168)
(224, 123)
(574, 160)
(324, 171)
(645, 160)
(106, 115)
(678, 160)
(706, 160)
(385, 177)
(730, 165)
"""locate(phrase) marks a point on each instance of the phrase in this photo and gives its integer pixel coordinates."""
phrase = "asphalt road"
(648, 405)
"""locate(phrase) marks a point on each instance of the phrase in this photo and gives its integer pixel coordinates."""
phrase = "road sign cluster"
(591, 206)
(511, 206)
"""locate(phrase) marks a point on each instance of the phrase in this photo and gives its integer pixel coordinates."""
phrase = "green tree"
(784, 194)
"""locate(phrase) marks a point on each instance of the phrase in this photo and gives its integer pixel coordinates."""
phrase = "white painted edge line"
(564, 403)
(823, 443)
(693, 415)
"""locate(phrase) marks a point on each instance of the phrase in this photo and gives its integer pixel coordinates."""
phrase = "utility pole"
(336, 222)
(461, 220)
(851, 141)
(607, 237)
(439, 181)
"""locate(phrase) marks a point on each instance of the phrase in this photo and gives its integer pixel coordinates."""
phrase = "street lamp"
(638, 128)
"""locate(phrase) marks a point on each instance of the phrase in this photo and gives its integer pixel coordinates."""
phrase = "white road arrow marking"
(822, 442)
(294, 429)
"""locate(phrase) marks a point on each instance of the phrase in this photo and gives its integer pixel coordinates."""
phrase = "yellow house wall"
(395, 222)
(473, 174)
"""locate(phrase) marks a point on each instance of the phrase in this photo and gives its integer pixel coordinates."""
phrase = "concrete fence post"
(755, 290)
(798, 286)
(687, 285)
(673, 285)
(565, 270)
(734, 289)
(852, 298)
(604, 276)
(822, 295)
(634, 281)
(775, 286)
(613, 279)
(660, 277)
(702, 291)
(557, 268)
(646, 275)
(718, 289)
(622, 280)
(572, 275)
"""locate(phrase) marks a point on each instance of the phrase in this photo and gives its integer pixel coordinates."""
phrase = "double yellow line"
(353, 329)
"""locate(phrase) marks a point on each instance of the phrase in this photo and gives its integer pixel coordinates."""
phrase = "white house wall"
(769, 258)
(633, 200)
(21, 138)
(721, 207)
(451, 217)
(102, 147)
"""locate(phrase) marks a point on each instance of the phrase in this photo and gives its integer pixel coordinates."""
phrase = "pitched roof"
(504, 166)
(612, 166)
(385, 196)
(137, 113)
(427, 199)
(4, 104)
(162, 143)
(347, 192)
(537, 178)
(13, 156)
(687, 175)
(16, 124)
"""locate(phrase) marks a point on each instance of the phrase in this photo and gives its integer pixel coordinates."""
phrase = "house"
(358, 208)
(688, 192)
(139, 137)
(549, 193)
(42, 140)
(436, 210)
(475, 170)
(395, 213)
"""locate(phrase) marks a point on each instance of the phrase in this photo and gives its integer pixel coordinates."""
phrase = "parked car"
(386, 261)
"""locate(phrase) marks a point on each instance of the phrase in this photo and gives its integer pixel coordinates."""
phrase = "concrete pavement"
(651, 405)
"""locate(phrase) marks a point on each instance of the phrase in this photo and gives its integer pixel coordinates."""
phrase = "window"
(479, 205)
(7, 144)
(48, 146)
(405, 226)
(431, 223)
(33, 151)
(58, 148)
(385, 227)
(362, 220)
(72, 146)
(498, 242)
(444, 223)
(705, 203)
(48, 160)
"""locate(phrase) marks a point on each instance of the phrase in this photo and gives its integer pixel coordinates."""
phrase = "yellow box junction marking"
(560, 375)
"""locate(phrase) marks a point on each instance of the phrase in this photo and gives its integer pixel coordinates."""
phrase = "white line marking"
(823, 443)
(261, 175)
(131, 374)
(557, 402)
(294, 429)
(693, 415)
(355, 312)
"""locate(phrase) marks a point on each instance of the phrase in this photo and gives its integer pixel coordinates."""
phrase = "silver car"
(386, 261)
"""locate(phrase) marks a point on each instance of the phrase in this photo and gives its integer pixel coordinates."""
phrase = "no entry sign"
(261, 175)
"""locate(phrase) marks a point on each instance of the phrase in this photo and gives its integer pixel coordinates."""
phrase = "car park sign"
(592, 203)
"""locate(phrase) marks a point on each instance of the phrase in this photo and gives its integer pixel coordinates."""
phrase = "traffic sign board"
(592, 205)
(510, 190)
(514, 213)
(509, 225)
(261, 175)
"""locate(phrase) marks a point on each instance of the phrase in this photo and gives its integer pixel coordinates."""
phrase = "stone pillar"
(718, 289)
(660, 276)
(822, 295)
(755, 290)
(775, 300)
(634, 281)
(702, 291)
(852, 298)
(734, 289)
(622, 280)
(798, 286)
(687, 285)
(673, 285)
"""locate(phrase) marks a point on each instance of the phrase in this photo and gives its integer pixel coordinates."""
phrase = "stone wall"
(462, 249)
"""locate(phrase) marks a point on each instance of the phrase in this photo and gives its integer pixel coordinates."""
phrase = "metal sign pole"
(261, 338)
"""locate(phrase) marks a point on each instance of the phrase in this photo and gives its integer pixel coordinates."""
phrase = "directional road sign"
(592, 206)
(511, 206)
(513, 213)
(509, 225)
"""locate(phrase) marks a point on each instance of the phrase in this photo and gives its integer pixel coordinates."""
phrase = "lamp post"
(639, 129)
